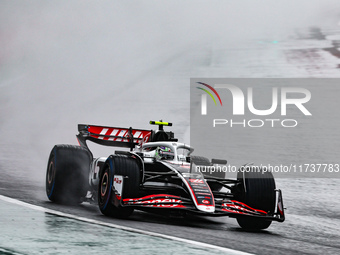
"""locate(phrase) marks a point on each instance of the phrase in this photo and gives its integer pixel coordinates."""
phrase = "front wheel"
(126, 167)
(256, 189)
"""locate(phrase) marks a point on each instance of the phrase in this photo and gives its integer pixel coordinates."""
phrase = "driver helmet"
(163, 152)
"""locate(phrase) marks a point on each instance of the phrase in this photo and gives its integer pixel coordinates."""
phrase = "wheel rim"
(104, 184)
(50, 173)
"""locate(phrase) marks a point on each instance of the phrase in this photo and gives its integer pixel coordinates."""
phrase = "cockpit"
(171, 151)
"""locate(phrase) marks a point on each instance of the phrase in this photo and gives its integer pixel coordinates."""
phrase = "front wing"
(231, 208)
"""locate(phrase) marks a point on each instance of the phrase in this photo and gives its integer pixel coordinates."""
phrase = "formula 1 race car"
(158, 174)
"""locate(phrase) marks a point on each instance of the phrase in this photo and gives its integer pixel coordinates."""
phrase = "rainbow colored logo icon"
(209, 93)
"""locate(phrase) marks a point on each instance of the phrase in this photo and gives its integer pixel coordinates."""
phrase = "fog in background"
(123, 63)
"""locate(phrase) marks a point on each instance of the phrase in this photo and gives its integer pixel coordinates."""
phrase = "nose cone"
(206, 208)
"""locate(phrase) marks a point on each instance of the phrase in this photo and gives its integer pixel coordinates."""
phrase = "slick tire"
(67, 174)
(257, 189)
(129, 169)
(203, 161)
(200, 161)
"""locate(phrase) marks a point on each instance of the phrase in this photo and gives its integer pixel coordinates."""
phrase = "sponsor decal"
(185, 166)
(160, 202)
(196, 181)
(202, 190)
(118, 134)
(145, 139)
(118, 185)
(157, 200)
(117, 180)
(200, 187)
(232, 211)
(239, 207)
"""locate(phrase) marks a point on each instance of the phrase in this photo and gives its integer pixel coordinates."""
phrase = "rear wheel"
(129, 169)
(256, 189)
(67, 174)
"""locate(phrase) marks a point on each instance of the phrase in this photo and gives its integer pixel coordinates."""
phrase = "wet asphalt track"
(298, 235)
(39, 107)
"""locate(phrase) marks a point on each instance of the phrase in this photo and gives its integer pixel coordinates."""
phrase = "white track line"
(106, 224)
(4, 251)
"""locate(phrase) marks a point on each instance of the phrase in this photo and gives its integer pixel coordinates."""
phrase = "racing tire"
(129, 169)
(257, 189)
(203, 161)
(67, 174)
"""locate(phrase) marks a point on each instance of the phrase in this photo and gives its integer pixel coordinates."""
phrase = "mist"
(122, 63)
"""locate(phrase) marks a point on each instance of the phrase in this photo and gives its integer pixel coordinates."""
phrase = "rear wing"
(112, 136)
